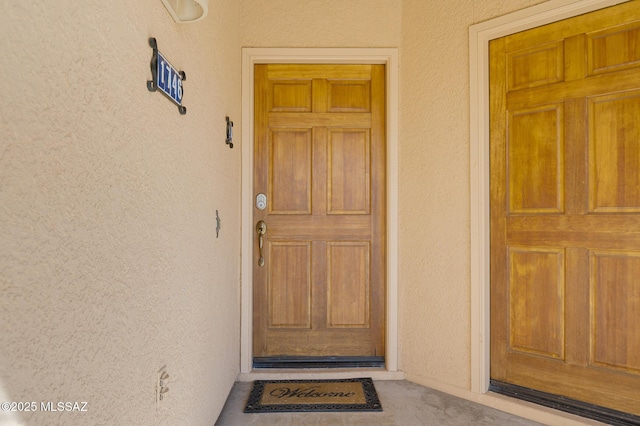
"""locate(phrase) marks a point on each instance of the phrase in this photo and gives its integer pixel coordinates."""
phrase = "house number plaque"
(166, 78)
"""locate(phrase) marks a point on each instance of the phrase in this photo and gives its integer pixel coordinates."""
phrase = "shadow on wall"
(10, 414)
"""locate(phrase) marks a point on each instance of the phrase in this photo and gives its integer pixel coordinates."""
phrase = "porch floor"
(404, 403)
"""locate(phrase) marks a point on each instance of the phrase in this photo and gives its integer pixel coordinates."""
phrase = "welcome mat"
(313, 395)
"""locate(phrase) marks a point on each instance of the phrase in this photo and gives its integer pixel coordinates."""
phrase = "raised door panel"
(290, 171)
(614, 152)
(615, 294)
(290, 95)
(349, 96)
(349, 171)
(348, 265)
(535, 149)
(614, 49)
(536, 300)
(537, 66)
(289, 284)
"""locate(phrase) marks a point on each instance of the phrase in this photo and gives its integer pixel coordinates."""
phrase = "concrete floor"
(404, 403)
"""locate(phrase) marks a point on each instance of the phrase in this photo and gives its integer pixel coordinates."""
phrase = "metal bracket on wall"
(229, 139)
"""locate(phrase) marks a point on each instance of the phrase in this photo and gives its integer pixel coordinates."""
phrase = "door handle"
(261, 229)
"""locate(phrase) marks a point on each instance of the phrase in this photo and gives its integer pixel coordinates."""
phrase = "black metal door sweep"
(562, 403)
(318, 362)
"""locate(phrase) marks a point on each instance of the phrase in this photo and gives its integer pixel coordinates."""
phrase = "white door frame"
(479, 37)
(252, 56)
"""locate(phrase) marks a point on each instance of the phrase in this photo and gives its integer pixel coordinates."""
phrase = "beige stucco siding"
(321, 23)
(434, 276)
(110, 265)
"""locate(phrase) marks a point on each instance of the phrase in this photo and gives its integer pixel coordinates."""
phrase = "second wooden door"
(565, 209)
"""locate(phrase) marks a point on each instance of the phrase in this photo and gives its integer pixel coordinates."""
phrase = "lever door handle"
(261, 229)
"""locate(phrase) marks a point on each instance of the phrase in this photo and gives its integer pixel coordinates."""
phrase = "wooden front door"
(565, 208)
(319, 167)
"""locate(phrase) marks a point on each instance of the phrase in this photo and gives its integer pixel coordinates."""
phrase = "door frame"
(479, 37)
(253, 56)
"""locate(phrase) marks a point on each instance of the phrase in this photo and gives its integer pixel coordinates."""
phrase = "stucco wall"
(434, 234)
(434, 186)
(109, 263)
(321, 23)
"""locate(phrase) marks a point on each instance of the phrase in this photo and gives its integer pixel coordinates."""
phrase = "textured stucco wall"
(109, 263)
(434, 186)
(321, 23)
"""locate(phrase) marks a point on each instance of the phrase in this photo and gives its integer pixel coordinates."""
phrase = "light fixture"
(186, 11)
